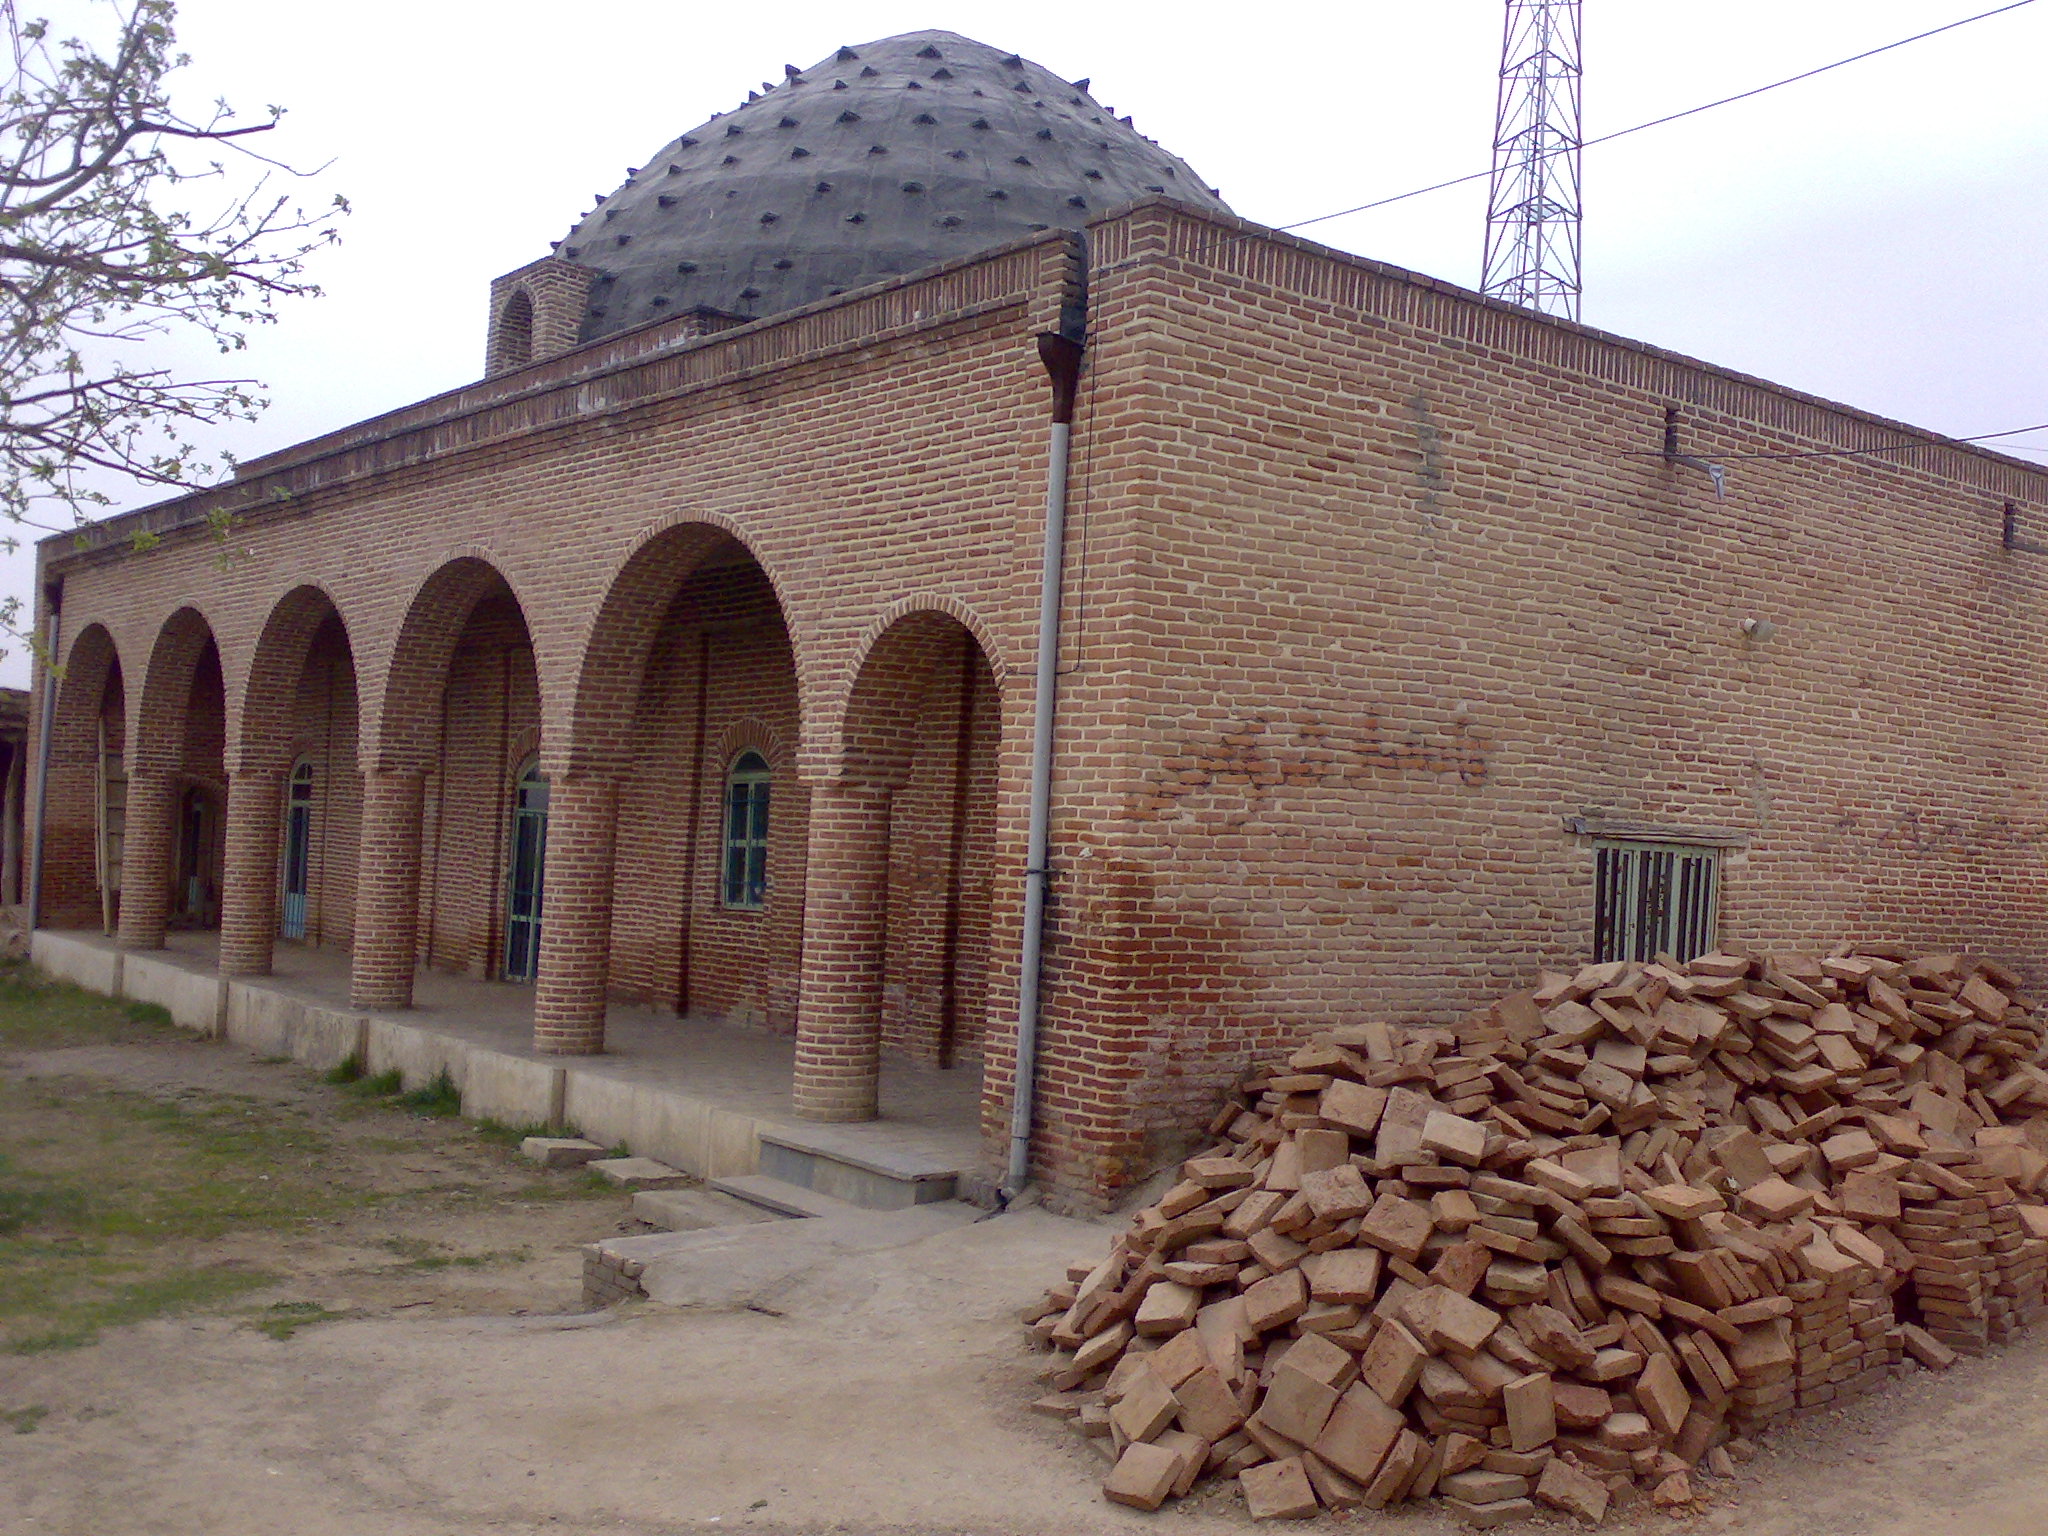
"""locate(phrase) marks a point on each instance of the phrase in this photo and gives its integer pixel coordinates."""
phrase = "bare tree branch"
(99, 254)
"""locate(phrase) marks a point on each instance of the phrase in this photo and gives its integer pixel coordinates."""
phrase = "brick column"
(387, 891)
(839, 997)
(248, 901)
(146, 860)
(575, 917)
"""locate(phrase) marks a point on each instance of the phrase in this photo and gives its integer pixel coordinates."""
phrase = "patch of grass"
(82, 1321)
(37, 1014)
(498, 1133)
(106, 1195)
(342, 1073)
(385, 1085)
(24, 1420)
(29, 1199)
(282, 1319)
(118, 1206)
(440, 1098)
(472, 1260)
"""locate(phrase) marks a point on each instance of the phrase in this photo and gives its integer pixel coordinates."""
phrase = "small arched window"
(515, 331)
(745, 885)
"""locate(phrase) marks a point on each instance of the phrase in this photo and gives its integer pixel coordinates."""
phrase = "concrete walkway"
(695, 1093)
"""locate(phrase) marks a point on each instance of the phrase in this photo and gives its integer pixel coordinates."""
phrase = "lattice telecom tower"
(1532, 212)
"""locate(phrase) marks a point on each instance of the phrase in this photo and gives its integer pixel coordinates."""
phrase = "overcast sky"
(1875, 236)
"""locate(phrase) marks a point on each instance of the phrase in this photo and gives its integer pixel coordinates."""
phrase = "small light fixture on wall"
(1757, 629)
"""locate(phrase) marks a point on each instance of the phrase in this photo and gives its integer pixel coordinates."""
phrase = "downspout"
(53, 595)
(1060, 351)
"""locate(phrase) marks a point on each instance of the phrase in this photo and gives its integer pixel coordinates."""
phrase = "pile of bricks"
(1584, 1244)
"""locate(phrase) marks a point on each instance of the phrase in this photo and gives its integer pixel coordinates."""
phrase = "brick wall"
(1412, 586)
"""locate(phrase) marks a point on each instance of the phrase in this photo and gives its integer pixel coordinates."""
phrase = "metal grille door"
(1654, 898)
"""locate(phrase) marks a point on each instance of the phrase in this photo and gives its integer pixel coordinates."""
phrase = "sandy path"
(889, 1398)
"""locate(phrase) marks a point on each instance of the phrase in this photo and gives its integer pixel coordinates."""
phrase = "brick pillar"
(839, 998)
(575, 917)
(146, 860)
(387, 891)
(248, 902)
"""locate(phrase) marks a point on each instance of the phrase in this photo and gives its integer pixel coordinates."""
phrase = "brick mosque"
(1398, 643)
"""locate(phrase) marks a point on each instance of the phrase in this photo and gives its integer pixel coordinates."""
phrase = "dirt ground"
(459, 1391)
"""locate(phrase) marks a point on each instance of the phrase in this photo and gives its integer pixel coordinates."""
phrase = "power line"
(1605, 138)
(1658, 122)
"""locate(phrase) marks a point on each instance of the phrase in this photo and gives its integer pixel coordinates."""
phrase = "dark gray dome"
(880, 160)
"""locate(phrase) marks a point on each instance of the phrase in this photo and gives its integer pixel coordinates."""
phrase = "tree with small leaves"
(123, 223)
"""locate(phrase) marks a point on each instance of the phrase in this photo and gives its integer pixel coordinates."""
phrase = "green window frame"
(743, 882)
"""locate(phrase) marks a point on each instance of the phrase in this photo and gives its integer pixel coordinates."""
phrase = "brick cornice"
(663, 360)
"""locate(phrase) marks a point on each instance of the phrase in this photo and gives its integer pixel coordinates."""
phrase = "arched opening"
(525, 872)
(171, 863)
(693, 635)
(85, 806)
(202, 799)
(460, 711)
(294, 812)
(513, 345)
(465, 703)
(901, 870)
(926, 714)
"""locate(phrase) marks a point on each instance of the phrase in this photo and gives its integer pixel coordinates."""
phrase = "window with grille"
(298, 851)
(1654, 898)
(746, 833)
(526, 873)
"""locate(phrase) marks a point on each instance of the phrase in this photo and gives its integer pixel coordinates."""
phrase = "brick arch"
(745, 736)
(621, 636)
(403, 735)
(89, 688)
(265, 738)
(520, 746)
(512, 331)
(877, 732)
(157, 740)
(91, 666)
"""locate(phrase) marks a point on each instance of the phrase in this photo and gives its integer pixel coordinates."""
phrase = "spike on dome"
(703, 240)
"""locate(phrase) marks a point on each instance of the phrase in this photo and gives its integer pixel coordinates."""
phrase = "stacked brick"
(609, 1277)
(1582, 1244)
(2019, 1294)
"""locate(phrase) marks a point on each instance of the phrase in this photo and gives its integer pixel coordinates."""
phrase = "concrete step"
(729, 1267)
(560, 1151)
(639, 1173)
(692, 1210)
(858, 1166)
(773, 1194)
